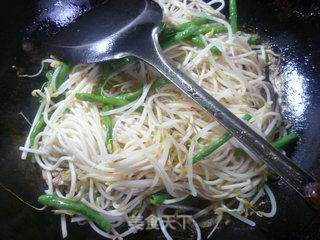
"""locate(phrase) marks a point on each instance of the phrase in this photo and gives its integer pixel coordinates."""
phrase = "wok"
(291, 27)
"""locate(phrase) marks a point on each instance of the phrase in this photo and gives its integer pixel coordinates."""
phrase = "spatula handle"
(312, 195)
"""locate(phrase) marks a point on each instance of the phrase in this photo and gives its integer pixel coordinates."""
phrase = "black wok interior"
(291, 26)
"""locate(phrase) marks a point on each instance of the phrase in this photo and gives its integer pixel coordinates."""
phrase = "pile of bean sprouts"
(153, 148)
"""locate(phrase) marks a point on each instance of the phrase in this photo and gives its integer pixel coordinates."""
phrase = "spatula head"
(115, 29)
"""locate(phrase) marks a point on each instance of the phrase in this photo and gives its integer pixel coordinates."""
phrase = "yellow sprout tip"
(55, 64)
(34, 93)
